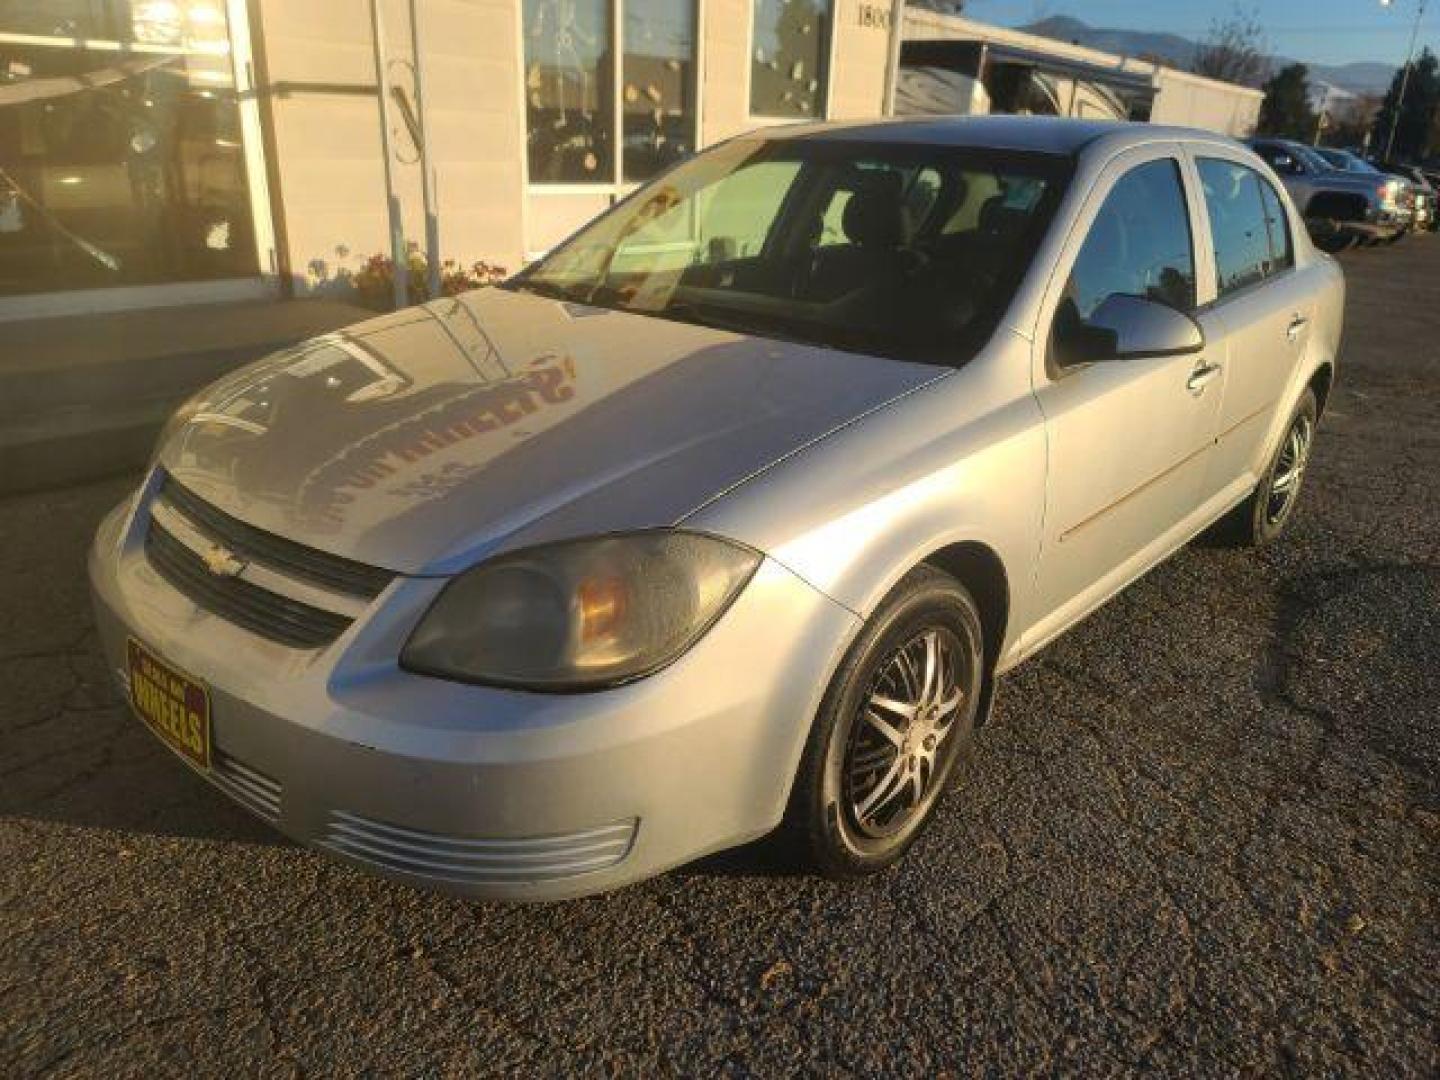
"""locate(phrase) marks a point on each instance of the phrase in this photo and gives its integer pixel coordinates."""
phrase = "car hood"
(424, 440)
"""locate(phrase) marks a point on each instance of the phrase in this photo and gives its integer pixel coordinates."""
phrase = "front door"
(1129, 440)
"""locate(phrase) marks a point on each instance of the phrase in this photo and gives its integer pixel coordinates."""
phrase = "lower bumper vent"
(254, 790)
(431, 855)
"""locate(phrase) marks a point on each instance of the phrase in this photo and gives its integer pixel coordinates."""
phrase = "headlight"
(581, 614)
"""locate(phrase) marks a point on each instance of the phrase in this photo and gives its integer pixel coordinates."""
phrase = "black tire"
(1263, 516)
(840, 756)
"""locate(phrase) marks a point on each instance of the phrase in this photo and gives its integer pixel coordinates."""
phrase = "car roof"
(1039, 134)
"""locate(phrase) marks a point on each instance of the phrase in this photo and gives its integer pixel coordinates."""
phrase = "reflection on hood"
(418, 440)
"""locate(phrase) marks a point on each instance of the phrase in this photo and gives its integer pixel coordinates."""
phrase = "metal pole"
(892, 57)
(392, 201)
(427, 171)
(1404, 81)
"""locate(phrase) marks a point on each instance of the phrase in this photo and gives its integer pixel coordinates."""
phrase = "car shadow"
(125, 782)
(772, 856)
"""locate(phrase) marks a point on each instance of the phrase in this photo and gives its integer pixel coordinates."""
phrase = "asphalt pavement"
(1200, 836)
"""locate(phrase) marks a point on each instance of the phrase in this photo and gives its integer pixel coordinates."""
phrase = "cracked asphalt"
(1200, 836)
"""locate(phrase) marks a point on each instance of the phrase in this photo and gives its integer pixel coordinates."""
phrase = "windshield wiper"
(690, 313)
(569, 293)
(759, 327)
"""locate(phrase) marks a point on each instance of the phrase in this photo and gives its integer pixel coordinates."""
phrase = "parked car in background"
(1339, 207)
(1351, 162)
(1427, 195)
(728, 512)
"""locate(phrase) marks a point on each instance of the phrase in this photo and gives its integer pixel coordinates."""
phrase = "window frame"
(616, 186)
(758, 120)
(1045, 367)
(1221, 155)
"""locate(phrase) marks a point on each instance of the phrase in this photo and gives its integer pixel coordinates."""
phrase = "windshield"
(894, 250)
(1309, 157)
(1348, 162)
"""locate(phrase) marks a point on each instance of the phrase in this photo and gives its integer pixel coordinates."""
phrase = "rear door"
(1129, 440)
(1260, 317)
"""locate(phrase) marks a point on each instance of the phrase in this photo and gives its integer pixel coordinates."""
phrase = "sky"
(1320, 31)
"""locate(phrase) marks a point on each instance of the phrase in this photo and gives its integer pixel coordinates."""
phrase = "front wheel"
(898, 716)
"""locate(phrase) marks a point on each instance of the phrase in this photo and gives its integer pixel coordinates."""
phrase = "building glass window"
(121, 159)
(789, 58)
(572, 121)
(658, 86)
(569, 90)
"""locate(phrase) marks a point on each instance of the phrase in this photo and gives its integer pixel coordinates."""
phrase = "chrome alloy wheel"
(1289, 469)
(904, 723)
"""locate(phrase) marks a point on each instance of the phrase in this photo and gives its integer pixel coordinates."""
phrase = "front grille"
(473, 861)
(282, 590)
(254, 790)
(286, 556)
(261, 611)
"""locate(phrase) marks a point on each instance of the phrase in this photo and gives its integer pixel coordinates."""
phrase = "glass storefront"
(659, 86)
(791, 54)
(121, 156)
(573, 119)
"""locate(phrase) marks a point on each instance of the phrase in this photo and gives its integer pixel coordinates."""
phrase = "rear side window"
(1139, 243)
(1282, 249)
(1247, 225)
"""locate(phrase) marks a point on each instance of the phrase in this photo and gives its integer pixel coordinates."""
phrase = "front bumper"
(491, 793)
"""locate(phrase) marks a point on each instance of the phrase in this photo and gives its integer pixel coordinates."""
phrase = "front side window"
(574, 124)
(1139, 245)
(1239, 225)
(789, 59)
(906, 251)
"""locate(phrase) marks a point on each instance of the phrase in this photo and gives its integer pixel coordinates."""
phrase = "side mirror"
(1284, 163)
(1128, 327)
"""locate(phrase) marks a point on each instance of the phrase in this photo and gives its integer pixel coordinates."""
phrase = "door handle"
(1202, 374)
(1296, 325)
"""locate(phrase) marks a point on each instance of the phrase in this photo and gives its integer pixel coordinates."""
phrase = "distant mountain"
(1171, 49)
(1363, 77)
(1177, 51)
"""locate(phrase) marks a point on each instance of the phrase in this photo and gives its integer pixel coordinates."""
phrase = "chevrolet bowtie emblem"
(222, 562)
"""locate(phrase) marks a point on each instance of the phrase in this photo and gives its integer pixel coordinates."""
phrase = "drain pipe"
(892, 57)
(401, 276)
(427, 171)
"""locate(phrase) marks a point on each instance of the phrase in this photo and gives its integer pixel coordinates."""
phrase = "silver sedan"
(724, 517)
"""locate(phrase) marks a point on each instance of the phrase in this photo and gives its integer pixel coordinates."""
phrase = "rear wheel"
(898, 716)
(1263, 516)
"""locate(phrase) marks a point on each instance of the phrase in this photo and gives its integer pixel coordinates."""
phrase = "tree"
(1286, 109)
(1415, 135)
(1351, 122)
(1235, 50)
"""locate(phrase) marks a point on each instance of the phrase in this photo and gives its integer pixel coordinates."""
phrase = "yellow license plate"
(173, 705)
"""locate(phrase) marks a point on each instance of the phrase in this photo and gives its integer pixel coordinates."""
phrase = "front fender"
(856, 512)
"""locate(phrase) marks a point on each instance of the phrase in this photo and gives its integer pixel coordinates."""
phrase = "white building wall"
(324, 133)
(325, 129)
(1194, 101)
